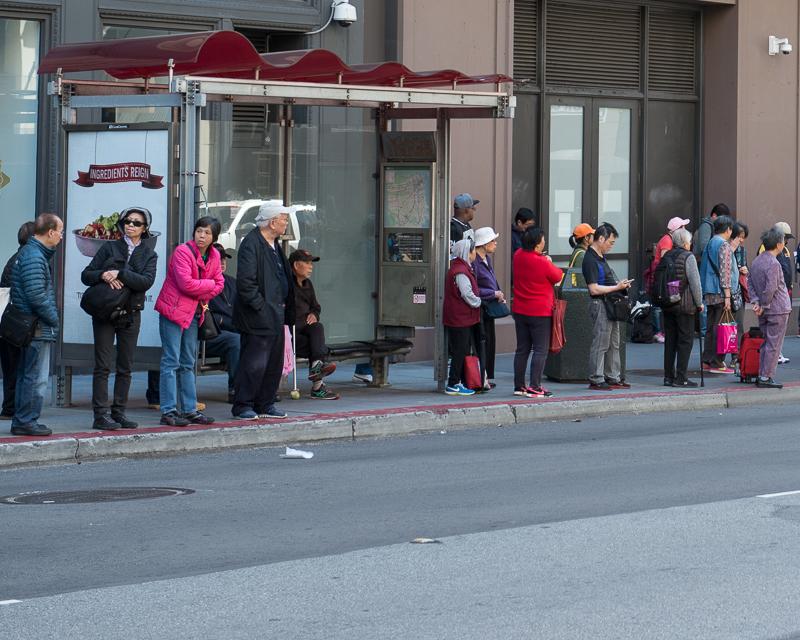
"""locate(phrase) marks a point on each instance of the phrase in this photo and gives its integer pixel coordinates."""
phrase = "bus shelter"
(201, 124)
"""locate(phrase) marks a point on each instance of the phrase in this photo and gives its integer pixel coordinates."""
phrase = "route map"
(407, 197)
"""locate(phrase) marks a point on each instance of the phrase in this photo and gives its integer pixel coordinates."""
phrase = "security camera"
(779, 45)
(344, 13)
(786, 48)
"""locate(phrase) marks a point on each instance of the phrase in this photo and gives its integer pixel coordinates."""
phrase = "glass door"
(591, 173)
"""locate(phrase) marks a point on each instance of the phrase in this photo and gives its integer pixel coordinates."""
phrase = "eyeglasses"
(134, 223)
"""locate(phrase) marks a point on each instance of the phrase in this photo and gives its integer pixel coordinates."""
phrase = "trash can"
(571, 364)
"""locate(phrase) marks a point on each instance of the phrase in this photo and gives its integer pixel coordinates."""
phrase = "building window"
(19, 108)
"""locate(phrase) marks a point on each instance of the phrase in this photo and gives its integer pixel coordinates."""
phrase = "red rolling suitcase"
(749, 355)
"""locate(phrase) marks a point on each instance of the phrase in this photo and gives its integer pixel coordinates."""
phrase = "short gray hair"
(772, 238)
(681, 237)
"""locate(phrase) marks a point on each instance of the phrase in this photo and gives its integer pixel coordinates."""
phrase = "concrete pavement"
(409, 405)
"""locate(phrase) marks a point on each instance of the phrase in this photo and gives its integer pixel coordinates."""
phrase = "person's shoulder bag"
(18, 328)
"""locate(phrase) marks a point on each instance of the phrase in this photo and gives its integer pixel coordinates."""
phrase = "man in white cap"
(664, 244)
(264, 304)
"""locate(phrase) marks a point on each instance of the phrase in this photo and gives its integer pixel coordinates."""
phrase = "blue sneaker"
(272, 412)
(459, 390)
(247, 414)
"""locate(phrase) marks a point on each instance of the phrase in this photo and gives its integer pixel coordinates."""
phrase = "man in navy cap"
(463, 213)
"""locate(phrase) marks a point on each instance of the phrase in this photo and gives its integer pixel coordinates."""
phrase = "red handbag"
(472, 373)
(557, 337)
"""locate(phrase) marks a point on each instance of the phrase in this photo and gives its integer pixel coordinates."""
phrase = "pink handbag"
(288, 351)
(727, 338)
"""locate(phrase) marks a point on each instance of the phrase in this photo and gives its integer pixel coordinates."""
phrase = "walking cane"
(700, 341)
(295, 391)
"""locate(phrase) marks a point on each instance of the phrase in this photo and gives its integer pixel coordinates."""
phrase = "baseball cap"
(301, 255)
(582, 230)
(676, 223)
(485, 235)
(223, 252)
(464, 201)
(270, 210)
(784, 228)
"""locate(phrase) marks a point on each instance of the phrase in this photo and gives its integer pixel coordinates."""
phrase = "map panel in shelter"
(407, 197)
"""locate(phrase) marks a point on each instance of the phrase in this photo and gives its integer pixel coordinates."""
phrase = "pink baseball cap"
(676, 223)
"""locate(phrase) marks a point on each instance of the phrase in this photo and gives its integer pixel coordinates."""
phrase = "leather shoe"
(684, 384)
(104, 423)
(669, 382)
(124, 422)
(172, 419)
(31, 430)
(198, 418)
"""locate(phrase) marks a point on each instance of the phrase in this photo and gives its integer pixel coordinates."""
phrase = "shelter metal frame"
(187, 95)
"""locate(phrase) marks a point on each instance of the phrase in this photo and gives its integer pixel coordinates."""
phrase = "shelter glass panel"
(19, 107)
(566, 175)
(333, 164)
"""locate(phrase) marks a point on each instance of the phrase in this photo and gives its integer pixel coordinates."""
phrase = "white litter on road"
(2, 602)
(778, 495)
(297, 454)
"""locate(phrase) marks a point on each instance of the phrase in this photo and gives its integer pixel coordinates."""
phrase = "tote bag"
(727, 339)
(557, 337)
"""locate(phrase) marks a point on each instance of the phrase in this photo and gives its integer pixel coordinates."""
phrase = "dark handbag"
(497, 309)
(618, 306)
(18, 328)
(744, 288)
(103, 302)
(736, 301)
(208, 329)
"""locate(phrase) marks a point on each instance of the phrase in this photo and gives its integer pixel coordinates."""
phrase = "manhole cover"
(93, 495)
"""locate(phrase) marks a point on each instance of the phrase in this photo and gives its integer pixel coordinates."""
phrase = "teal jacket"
(32, 288)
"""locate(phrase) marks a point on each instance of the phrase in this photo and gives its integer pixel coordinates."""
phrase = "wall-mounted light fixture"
(342, 12)
(779, 45)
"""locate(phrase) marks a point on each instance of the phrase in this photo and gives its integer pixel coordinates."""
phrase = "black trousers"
(490, 342)
(310, 342)
(104, 335)
(713, 316)
(533, 335)
(461, 341)
(678, 338)
(259, 372)
(9, 361)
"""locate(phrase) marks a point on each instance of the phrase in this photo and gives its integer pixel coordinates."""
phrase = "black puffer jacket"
(261, 309)
(138, 273)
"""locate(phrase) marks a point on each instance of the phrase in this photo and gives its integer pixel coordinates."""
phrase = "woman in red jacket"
(535, 275)
(461, 313)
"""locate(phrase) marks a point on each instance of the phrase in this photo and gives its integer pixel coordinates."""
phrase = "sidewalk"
(409, 405)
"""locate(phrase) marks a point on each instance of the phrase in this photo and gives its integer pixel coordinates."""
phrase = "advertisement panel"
(109, 169)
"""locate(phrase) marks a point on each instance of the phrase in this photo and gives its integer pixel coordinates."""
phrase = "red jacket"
(534, 277)
(184, 289)
(456, 312)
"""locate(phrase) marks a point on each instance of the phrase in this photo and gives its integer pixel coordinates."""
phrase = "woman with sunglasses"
(119, 264)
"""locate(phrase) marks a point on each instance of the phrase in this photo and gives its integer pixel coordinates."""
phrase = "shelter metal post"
(191, 104)
(441, 248)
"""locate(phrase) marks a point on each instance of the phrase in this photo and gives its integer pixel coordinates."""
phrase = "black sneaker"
(685, 384)
(104, 423)
(172, 419)
(198, 418)
(31, 430)
(669, 382)
(272, 412)
(769, 383)
(124, 422)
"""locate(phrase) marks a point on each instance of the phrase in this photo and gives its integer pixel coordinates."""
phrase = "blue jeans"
(227, 345)
(32, 374)
(178, 355)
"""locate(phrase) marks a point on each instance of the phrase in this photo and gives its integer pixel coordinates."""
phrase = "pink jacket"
(183, 287)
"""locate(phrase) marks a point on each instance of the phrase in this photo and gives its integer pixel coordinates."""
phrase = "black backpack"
(662, 295)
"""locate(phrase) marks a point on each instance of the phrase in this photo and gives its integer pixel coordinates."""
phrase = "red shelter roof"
(228, 54)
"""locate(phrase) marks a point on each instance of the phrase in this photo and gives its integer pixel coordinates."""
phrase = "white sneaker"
(362, 377)
(782, 359)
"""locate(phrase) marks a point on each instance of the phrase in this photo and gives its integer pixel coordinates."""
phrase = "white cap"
(485, 235)
(270, 210)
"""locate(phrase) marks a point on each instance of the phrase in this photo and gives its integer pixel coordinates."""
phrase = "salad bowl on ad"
(104, 229)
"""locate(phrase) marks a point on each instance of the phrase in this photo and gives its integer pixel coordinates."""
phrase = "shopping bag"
(472, 373)
(288, 351)
(727, 338)
(557, 337)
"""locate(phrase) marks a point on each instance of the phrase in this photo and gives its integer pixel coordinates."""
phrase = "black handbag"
(208, 329)
(497, 309)
(18, 328)
(105, 303)
(618, 306)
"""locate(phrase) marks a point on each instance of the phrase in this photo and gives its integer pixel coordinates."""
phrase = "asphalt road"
(632, 527)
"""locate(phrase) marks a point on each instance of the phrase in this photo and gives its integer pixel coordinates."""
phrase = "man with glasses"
(264, 305)
(32, 292)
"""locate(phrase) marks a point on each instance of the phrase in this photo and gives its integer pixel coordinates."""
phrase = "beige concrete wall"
(767, 128)
(475, 37)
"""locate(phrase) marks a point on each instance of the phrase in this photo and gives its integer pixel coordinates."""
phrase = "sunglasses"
(134, 223)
